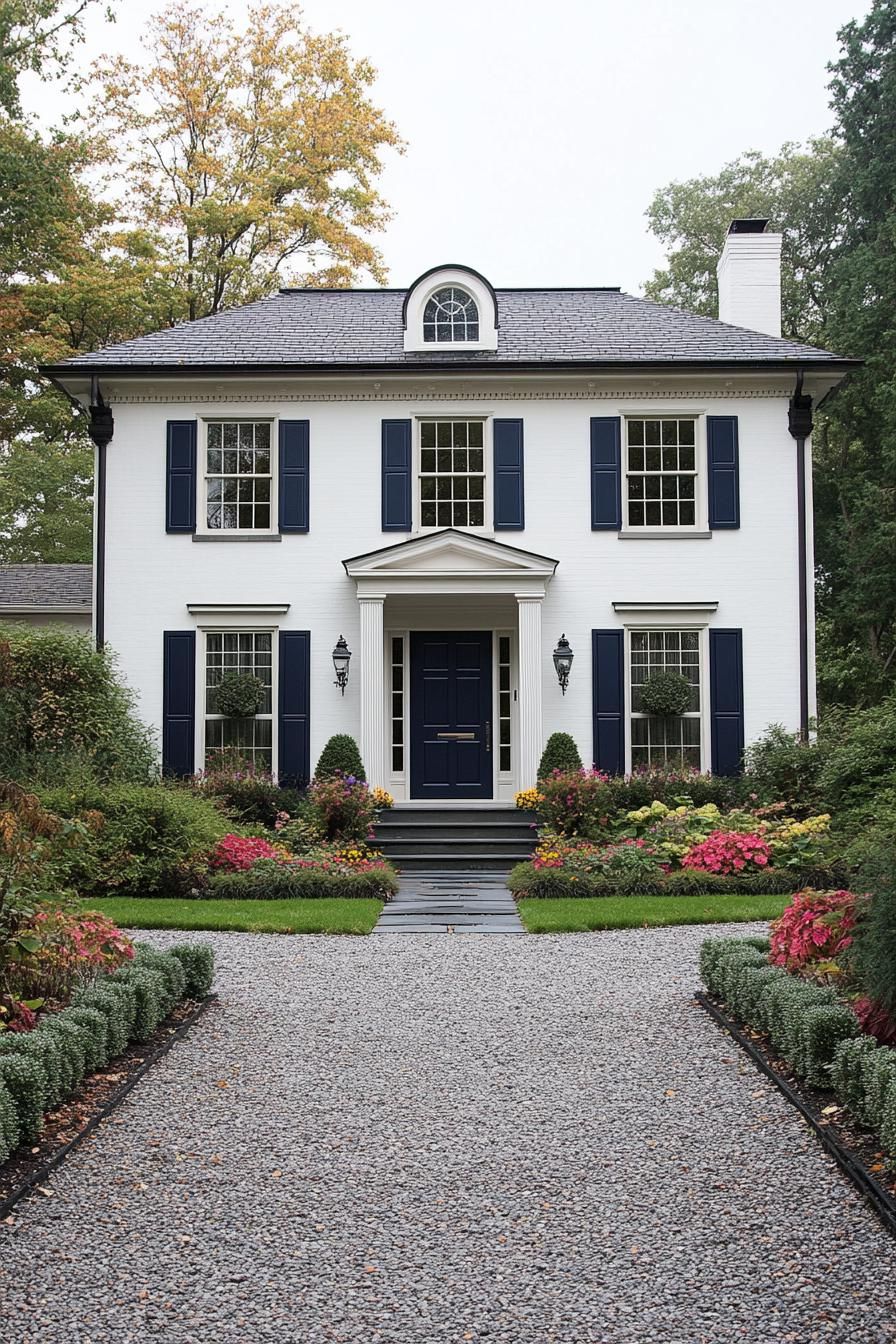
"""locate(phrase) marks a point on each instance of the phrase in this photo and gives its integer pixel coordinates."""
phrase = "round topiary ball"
(240, 695)
(665, 695)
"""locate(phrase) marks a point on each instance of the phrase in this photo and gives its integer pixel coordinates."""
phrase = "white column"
(529, 611)
(372, 691)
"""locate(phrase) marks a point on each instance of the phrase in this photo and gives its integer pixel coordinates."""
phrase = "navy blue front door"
(451, 713)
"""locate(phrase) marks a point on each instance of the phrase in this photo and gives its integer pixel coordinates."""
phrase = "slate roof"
(50, 586)
(362, 329)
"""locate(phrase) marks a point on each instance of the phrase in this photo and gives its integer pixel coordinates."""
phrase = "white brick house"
(452, 477)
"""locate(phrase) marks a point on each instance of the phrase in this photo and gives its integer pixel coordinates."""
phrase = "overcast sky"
(537, 133)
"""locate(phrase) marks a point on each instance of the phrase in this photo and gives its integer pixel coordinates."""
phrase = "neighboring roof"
(52, 588)
(346, 329)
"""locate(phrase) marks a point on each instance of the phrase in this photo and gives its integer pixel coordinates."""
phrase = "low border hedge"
(40, 1068)
(551, 883)
(815, 1032)
(284, 884)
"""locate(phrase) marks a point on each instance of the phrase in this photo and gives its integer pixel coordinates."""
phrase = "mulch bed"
(100, 1093)
(854, 1149)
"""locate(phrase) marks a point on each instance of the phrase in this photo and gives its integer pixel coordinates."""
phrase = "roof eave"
(783, 365)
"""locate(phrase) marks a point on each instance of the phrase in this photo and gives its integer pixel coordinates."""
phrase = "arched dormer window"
(450, 308)
(451, 315)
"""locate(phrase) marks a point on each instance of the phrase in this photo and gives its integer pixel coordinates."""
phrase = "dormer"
(450, 308)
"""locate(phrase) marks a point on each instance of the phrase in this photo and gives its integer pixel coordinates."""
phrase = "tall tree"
(245, 151)
(230, 155)
(836, 206)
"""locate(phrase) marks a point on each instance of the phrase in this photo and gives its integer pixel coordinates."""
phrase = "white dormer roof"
(464, 281)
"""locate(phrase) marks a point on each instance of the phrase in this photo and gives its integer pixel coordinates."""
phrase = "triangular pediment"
(449, 552)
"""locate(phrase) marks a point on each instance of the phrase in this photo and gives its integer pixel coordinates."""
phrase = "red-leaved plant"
(728, 852)
(875, 1020)
(813, 931)
(237, 853)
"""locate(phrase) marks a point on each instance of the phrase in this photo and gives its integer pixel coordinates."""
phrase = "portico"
(471, 701)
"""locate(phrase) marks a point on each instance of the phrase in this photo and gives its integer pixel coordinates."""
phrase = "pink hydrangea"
(728, 852)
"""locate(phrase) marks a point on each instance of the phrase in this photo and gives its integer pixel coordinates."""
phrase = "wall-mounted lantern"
(342, 656)
(563, 656)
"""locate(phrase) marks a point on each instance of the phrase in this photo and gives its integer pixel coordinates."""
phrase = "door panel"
(451, 710)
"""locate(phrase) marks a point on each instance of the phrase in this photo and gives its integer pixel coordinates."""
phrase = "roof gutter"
(800, 425)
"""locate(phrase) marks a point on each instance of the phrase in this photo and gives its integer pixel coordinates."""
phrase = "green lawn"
(584, 913)
(356, 915)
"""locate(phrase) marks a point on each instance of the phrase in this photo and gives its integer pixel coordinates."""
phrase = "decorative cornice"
(267, 398)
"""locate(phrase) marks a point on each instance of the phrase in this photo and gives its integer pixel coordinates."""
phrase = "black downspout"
(100, 429)
(800, 425)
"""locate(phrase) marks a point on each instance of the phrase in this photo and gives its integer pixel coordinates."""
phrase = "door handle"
(458, 737)
(488, 735)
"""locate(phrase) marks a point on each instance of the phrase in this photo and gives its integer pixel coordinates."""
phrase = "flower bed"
(43, 1065)
(801, 990)
(668, 847)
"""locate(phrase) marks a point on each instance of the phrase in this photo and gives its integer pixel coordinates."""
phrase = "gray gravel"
(430, 1138)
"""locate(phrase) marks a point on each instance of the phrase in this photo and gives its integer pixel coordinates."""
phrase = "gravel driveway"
(420, 1139)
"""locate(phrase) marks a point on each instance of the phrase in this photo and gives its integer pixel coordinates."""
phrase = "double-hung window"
(452, 473)
(249, 737)
(661, 471)
(671, 741)
(239, 481)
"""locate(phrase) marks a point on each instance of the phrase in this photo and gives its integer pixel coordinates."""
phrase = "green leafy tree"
(835, 204)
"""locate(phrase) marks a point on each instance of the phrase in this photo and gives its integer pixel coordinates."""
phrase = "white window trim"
(505, 777)
(670, 623)
(230, 628)
(458, 279)
(701, 511)
(487, 528)
(202, 526)
(399, 778)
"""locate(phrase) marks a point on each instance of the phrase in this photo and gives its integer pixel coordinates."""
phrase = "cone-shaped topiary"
(340, 756)
(560, 753)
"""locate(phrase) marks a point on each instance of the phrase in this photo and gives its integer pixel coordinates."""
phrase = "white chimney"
(749, 273)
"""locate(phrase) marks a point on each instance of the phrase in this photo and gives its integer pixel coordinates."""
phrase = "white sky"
(537, 133)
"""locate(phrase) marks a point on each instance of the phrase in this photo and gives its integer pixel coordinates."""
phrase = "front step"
(467, 839)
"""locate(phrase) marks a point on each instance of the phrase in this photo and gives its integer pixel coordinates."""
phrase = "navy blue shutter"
(293, 493)
(396, 475)
(294, 753)
(508, 450)
(179, 702)
(726, 700)
(608, 692)
(606, 473)
(722, 460)
(180, 486)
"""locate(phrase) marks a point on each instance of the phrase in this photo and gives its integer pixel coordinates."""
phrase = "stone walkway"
(451, 903)
(431, 1140)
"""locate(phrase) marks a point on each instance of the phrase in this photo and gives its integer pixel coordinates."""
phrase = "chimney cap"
(748, 226)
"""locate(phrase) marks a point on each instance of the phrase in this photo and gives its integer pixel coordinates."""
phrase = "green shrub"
(150, 994)
(96, 1035)
(781, 768)
(63, 712)
(26, 1082)
(729, 967)
(747, 989)
(275, 883)
(250, 797)
(340, 756)
(198, 962)
(10, 1131)
(553, 883)
(46, 1047)
(849, 1072)
(118, 1002)
(169, 967)
(859, 756)
(560, 753)
(873, 951)
(70, 1039)
(822, 1028)
(153, 839)
(712, 950)
(781, 1007)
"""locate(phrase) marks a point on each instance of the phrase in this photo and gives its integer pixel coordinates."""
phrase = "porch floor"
(445, 902)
